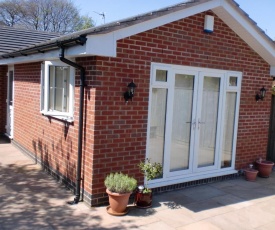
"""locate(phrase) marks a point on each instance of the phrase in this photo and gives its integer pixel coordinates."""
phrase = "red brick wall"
(120, 129)
(115, 132)
(49, 139)
(3, 97)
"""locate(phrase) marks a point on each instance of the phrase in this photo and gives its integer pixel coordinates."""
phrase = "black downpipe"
(80, 122)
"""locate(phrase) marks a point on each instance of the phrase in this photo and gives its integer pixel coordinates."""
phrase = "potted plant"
(143, 196)
(264, 167)
(119, 187)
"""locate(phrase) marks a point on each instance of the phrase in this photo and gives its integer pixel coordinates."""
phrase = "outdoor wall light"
(130, 92)
(261, 94)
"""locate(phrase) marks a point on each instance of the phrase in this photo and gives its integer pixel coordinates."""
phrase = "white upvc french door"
(208, 121)
(193, 118)
(180, 136)
(190, 110)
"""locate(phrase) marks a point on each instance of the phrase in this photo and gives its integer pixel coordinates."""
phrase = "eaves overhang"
(227, 10)
(247, 29)
(102, 40)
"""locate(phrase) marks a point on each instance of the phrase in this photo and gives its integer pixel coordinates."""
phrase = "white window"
(57, 90)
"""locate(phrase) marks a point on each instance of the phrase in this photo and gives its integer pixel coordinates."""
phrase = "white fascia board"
(101, 45)
(50, 55)
(272, 71)
(165, 19)
(242, 26)
(75, 51)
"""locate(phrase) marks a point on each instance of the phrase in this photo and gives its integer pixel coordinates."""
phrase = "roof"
(12, 39)
(106, 28)
(101, 40)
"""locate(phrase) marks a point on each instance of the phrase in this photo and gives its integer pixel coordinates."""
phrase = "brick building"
(197, 67)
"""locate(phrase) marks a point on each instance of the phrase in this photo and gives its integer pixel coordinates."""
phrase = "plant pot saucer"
(113, 213)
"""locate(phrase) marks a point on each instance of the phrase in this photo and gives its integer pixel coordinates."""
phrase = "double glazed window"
(57, 90)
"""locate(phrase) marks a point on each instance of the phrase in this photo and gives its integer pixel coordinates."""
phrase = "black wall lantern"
(261, 94)
(130, 93)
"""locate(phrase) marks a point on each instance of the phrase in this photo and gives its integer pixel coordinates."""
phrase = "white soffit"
(233, 16)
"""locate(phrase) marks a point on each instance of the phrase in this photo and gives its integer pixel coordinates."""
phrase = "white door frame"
(10, 103)
(195, 173)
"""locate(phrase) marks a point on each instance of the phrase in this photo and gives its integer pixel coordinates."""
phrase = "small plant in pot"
(143, 196)
(119, 187)
(250, 173)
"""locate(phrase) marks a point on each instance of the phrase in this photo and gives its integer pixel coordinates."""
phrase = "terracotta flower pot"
(143, 200)
(118, 203)
(265, 168)
(250, 174)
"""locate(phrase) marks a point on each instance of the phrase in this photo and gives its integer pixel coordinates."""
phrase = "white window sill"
(59, 116)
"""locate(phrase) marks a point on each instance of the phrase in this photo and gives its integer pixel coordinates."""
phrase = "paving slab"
(32, 199)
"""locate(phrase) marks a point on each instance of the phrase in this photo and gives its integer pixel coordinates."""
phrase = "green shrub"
(120, 183)
(150, 171)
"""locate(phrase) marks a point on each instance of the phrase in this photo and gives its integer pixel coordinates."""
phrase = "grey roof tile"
(12, 39)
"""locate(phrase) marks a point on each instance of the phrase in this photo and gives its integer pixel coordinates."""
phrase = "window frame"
(45, 91)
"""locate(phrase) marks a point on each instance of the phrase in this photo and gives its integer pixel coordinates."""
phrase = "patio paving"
(31, 199)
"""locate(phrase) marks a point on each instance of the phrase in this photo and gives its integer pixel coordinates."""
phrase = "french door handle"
(200, 123)
(194, 123)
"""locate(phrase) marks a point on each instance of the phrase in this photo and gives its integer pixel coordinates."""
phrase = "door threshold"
(189, 178)
(9, 136)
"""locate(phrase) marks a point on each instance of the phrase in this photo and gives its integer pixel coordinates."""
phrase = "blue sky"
(261, 11)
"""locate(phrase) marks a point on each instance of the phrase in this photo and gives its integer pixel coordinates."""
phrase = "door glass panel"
(207, 124)
(228, 129)
(182, 122)
(161, 75)
(157, 125)
(233, 81)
